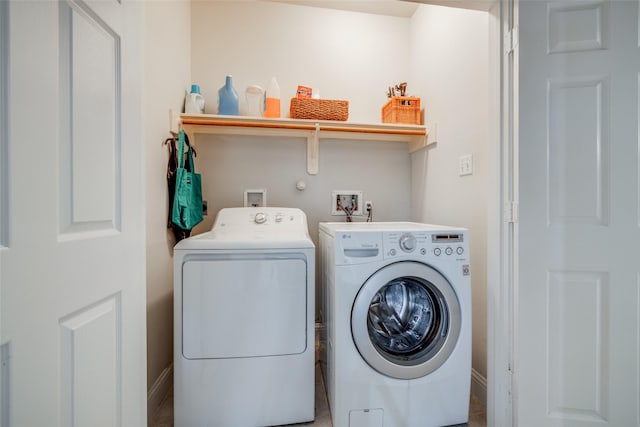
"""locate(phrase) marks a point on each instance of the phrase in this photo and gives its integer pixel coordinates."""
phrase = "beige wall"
(166, 76)
(346, 55)
(334, 51)
(450, 64)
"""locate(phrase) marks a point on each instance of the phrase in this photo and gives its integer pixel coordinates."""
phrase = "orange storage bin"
(402, 109)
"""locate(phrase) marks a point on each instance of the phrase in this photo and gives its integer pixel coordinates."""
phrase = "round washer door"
(406, 320)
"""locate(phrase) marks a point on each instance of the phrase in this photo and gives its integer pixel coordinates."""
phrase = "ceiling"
(484, 5)
(398, 8)
(403, 9)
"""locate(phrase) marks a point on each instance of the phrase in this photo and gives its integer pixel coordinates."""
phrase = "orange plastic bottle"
(272, 107)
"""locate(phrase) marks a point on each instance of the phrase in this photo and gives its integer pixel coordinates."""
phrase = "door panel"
(577, 342)
(4, 206)
(72, 275)
(577, 26)
(91, 371)
(576, 360)
(4, 121)
(90, 126)
(578, 147)
(262, 301)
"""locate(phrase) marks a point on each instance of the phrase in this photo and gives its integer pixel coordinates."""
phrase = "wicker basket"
(319, 109)
(402, 109)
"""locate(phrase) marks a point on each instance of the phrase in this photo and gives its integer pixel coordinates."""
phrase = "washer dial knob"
(260, 218)
(407, 242)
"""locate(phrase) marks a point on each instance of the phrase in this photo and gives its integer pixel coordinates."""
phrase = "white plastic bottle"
(272, 99)
(194, 104)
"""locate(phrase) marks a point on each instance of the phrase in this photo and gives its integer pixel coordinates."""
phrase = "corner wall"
(167, 65)
(450, 64)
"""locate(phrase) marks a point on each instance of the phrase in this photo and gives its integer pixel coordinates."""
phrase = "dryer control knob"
(407, 242)
(260, 218)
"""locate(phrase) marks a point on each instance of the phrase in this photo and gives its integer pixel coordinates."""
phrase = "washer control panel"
(422, 243)
(448, 244)
(408, 242)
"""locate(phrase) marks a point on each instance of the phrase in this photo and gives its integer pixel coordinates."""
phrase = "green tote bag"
(187, 201)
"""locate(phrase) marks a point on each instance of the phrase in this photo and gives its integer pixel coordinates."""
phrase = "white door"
(577, 311)
(72, 273)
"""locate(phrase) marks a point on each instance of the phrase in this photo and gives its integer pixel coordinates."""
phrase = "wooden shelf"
(415, 136)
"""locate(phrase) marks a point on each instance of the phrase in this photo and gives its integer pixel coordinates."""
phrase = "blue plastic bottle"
(228, 99)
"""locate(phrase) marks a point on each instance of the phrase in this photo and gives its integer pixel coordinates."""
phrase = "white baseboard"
(159, 391)
(479, 386)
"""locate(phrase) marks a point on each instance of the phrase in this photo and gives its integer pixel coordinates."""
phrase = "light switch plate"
(465, 165)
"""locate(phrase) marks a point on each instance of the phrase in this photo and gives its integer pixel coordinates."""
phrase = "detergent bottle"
(272, 108)
(228, 99)
(194, 104)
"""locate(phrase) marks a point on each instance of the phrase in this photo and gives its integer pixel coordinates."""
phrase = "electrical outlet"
(368, 207)
(346, 199)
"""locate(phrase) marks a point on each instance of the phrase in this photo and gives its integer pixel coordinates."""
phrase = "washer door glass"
(406, 320)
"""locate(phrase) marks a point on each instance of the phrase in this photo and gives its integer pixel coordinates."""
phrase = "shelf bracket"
(313, 148)
(430, 139)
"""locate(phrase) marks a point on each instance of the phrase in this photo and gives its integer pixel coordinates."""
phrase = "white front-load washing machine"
(396, 309)
(244, 317)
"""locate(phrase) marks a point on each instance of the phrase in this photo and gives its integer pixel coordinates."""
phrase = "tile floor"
(164, 415)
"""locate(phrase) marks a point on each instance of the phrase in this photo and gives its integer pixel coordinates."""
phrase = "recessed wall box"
(255, 198)
(346, 199)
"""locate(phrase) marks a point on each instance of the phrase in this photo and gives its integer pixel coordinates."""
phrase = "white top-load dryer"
(244, 336)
